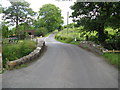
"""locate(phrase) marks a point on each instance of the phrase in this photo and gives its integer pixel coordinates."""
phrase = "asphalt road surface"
(63, 66)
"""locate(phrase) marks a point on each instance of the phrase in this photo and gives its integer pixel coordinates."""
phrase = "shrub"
(57, 36)
(27, 47)
(63, 38)
(5, 41)
(41, 31)
(78, 39)
(15, 51)
(69, 40)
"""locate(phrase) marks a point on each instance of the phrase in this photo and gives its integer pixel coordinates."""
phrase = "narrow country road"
(63, 66)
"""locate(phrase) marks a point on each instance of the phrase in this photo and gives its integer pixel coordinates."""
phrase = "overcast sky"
(36, 4)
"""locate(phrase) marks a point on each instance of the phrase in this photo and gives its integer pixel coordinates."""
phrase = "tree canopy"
(18, 12)
(97, 15)
(50, 17)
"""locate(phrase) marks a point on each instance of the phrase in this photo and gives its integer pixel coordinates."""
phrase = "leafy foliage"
(41, 31)
(17, 13)
(112, 41)
(97, 15)
(5, 31)
(16, 51)
(50, 17)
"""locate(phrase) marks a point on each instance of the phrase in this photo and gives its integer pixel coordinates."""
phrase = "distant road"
(63, 66)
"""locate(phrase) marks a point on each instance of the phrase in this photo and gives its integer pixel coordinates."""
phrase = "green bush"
(69, 40)
(78, 39)
(27, 47)
(15, 51)
(41, 31)
(63, 38)
(57, 36)
(60, 38)
(5, 41)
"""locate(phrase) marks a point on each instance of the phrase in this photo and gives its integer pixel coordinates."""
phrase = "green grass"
(85, 47)
(21, 66)
(68, 36)
(20, 40)
(113, 58)
(73, 42)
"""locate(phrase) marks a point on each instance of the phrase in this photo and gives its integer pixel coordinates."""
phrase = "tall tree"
(97, 15)
(17, 13)
(50, 16)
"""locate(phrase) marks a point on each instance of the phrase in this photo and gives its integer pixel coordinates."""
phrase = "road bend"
(63, 66)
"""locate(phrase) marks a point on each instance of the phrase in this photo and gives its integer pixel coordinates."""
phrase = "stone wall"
(96, 48)
(93, 47)
(33, 55)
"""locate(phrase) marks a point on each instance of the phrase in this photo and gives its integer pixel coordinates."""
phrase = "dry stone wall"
(33, 55)
(93, 47)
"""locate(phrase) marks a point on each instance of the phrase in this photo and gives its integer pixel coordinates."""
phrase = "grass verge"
(113, 58)
(72, 42)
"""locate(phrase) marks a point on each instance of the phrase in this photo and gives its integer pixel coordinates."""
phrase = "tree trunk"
(101, 34)
(17, 31)
(16, 28)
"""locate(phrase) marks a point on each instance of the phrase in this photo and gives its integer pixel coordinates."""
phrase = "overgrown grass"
(73, 36)
(68, 41)
(70, 36)
(75, 42)
(15, 51)
(113, 58)
(21, 66)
